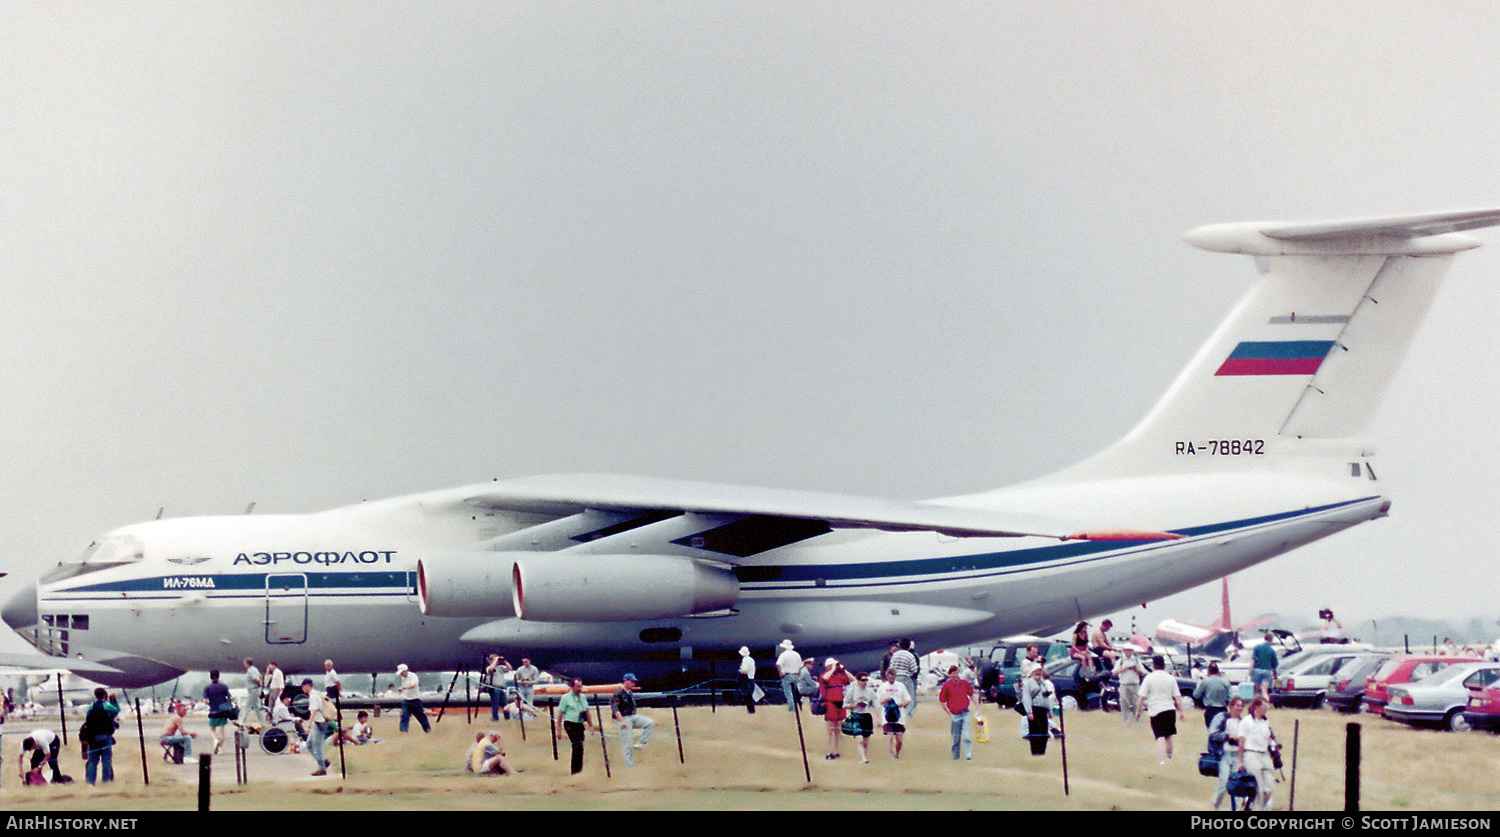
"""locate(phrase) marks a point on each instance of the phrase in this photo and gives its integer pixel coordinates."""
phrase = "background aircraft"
(1213, 639)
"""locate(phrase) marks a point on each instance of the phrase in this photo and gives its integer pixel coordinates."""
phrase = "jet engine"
(466, 584)
(572, 587)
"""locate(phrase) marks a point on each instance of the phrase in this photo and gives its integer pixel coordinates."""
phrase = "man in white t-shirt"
(40, 745)
(319, 718)
(1162, 703)
(410, 689)
(788, 666)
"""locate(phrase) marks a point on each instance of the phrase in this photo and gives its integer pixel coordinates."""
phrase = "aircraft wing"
(568, 494)
(1178, 631)
(1403, 227)
(43, 664)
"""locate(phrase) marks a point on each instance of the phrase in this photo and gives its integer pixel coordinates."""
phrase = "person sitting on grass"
(360, 732)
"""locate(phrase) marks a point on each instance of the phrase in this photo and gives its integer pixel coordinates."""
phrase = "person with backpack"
(98, 734)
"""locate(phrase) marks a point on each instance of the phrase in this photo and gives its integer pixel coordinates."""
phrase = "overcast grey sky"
(304, 254)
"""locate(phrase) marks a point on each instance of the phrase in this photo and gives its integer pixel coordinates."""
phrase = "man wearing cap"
(410, 689)
(622, 709)
(788, 665)
(747, 678)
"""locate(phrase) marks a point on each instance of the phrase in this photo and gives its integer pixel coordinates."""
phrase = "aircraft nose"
(20, 612)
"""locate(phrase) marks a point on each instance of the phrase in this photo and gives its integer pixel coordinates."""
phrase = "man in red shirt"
(957, 699)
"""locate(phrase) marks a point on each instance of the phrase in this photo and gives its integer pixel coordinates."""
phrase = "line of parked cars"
(1449, 692)
(1445, 691)
(1000, 670)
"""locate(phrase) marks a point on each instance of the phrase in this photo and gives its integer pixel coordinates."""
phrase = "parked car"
(1236, 666)
(1346, 689)
(1442, 697)
(1083, 692)
(1404, 668)
(1483, 709)
(998, 678)
(1303, 678)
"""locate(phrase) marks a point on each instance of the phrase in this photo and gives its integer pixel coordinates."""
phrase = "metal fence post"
(1351, 768)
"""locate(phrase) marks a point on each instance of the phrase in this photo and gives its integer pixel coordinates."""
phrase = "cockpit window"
(120, 549)
(102, 554)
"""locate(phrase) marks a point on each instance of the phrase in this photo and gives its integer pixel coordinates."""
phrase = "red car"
(1404, 668)
(1483, 711)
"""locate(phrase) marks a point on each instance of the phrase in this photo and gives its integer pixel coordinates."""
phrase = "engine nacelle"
(466, 584)
(573, 587)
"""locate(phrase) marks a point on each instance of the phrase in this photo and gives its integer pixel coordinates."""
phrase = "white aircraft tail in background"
(1255, 450)
(1213, 637)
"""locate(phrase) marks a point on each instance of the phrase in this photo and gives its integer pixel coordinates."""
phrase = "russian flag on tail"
(1276, 357)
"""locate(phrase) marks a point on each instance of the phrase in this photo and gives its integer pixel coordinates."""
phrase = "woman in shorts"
(895, 707)
(831, 683)
(859, 703)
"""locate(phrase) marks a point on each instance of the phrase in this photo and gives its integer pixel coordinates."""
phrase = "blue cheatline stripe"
(255, 582)
(989, 563)
(751, 577)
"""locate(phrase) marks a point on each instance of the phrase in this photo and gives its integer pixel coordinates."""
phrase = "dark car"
(1085, 691)
(1346, 689)
(1001, 672)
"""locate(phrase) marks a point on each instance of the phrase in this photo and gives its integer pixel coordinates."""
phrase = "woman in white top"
(1224, 737)
(859, 703)
(895, 708)
(1256, 741)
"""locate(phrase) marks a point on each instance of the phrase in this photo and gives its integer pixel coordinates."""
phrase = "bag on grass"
(1242, 784)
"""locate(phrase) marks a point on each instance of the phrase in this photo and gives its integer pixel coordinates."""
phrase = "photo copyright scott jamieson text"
(45, 823)
(1347, 822)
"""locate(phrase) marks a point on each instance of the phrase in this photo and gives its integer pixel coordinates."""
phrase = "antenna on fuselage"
(250, 508)
(160, 512)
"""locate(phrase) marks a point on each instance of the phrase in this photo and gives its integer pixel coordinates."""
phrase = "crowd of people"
(853, 705)
(856, 704)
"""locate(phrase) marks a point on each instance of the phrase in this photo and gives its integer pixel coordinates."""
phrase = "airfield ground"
(737, 761)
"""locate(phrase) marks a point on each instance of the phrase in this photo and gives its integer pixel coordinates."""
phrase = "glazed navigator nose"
(20, 612)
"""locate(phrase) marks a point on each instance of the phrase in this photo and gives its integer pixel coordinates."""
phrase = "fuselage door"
(286, 609)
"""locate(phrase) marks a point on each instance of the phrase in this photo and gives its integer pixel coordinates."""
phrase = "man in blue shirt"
(221, 708)
(1263, 661)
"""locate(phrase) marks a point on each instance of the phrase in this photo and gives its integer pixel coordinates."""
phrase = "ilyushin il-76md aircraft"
(1254, 450)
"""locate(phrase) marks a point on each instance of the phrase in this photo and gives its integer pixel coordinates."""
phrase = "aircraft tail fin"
(1300, 365)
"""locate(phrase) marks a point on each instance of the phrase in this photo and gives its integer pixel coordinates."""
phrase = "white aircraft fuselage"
(1253, 452)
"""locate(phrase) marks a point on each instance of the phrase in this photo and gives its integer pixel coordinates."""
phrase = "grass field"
(737, 761)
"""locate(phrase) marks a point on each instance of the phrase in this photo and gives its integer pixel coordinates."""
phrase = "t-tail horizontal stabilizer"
(1307, 353)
